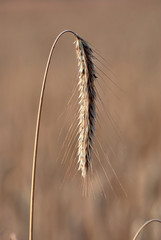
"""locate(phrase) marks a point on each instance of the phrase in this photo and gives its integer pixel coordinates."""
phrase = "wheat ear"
(86, 112)
(87, 96)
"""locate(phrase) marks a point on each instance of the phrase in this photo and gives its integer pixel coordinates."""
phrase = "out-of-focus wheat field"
(128, 35)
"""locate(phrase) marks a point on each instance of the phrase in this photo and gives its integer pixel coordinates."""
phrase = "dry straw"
(87, 114)
(144, 225)
(87, 117)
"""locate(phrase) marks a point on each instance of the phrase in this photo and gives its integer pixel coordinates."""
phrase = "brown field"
(128, 35)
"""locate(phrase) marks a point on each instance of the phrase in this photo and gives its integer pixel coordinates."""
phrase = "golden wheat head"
(87, 97)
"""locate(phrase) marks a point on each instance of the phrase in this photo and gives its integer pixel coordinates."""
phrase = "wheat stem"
(144, 225)
(37, 133)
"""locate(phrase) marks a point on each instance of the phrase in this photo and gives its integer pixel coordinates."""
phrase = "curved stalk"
(37, 133)
(144, 225)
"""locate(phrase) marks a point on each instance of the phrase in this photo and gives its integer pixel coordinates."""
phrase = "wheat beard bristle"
(87, 97)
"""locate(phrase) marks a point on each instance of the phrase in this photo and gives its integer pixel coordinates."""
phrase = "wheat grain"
(87, 97)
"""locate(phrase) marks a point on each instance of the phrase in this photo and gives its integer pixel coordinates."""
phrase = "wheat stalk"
(87, 113)
(144, 225)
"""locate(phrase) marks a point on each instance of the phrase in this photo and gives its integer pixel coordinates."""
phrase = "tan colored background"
(128, 35)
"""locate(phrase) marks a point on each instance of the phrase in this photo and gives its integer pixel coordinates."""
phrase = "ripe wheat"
(87, 113)
(87, 117)
(87, 110)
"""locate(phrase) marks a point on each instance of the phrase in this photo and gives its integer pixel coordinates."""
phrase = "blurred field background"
(128, 35)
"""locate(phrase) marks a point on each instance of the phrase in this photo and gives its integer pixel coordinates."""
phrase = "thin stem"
(144, 225)
(37, 133)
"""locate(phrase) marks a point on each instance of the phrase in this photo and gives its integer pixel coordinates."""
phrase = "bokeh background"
(128, 35)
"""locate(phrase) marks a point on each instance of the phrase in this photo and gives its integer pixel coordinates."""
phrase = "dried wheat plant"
(87, 112)
(86, 119)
